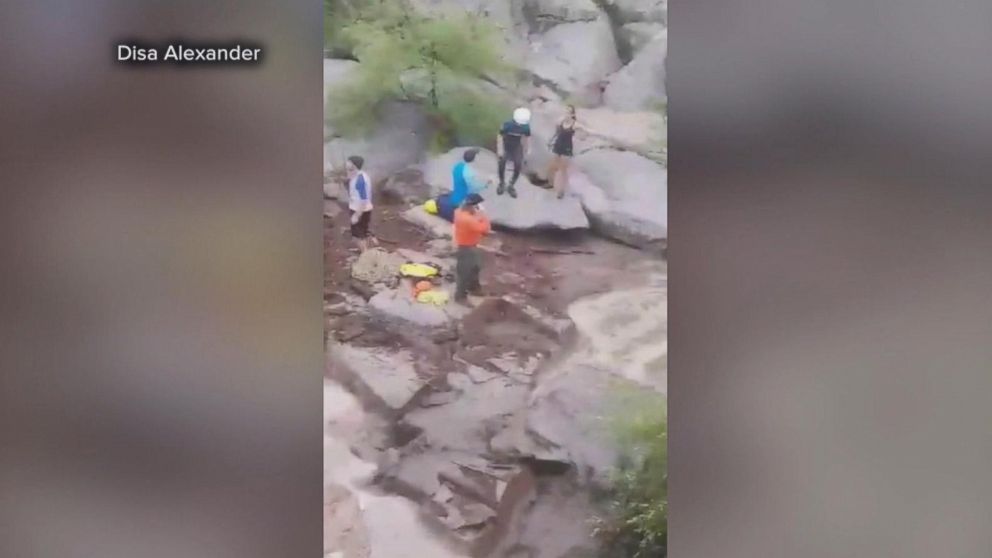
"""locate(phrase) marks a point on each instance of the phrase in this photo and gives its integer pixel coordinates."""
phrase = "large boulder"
(399, 141)
(574, 58)
(639, 34)
(563, 425)
(640, 10)
(640, 85)
(624, 194)
(534, 208)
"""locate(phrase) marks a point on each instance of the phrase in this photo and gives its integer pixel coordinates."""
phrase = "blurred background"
(161, 323)
(829, 279)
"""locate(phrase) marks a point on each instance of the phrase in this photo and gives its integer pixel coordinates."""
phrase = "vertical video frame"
(495, 290)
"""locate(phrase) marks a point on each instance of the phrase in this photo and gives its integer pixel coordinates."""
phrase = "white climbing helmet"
(521, 116)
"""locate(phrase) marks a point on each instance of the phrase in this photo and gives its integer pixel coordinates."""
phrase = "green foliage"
(660, 141)
(639, 500)
(472, 118)
(437, 62)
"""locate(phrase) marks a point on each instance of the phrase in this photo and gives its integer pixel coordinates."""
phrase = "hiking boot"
(512, 191)
(500, 189)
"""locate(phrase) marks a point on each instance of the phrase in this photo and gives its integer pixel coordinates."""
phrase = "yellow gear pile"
(435, 297)
(418, 270)
(430, 206)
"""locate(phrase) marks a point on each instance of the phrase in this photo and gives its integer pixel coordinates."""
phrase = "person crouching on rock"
(359, 200)
(513, 144)
(465, 179)
(471, 224)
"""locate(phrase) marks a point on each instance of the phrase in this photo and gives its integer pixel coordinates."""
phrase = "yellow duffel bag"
(419, 270)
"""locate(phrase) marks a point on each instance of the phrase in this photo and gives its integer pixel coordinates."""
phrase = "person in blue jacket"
(465, 180)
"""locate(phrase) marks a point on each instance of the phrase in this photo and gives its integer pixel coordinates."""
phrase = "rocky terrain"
(482, 431)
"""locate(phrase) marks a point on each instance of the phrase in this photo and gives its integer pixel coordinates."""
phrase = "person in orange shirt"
(471, 224)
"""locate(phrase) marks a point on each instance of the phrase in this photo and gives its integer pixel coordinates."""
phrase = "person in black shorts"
(562, 150)
(359, 200)
(513, 144)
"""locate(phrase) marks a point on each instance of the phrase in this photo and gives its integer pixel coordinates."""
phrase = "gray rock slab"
(640, 85)
(387, 376)
(573, 57)
(624, 194)
(533, 209)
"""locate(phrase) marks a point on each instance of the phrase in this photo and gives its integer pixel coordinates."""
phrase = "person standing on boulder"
(513, 144)
(562, 150)
(471, 224)
(359, 200)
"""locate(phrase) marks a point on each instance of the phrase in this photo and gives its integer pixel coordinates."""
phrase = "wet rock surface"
(469, 429)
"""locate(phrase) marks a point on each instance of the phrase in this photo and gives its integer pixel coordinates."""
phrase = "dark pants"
(361, 228)
(468, 264)
(516, 156)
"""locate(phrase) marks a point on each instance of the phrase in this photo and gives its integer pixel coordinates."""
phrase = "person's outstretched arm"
(474, 181)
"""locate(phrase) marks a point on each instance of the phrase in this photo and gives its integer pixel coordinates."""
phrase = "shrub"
(639, 496)
(436, 62)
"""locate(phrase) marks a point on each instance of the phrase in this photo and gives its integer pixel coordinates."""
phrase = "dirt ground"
(546, 270)
(551, 269)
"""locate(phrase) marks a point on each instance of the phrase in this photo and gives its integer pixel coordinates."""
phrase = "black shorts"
(361, 228)
(563, 150)
(516, 156)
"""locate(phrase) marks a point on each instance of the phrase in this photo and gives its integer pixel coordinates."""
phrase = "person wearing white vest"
(359, 200)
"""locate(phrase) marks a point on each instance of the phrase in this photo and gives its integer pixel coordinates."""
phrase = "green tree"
(444, 64)
(639, 496)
